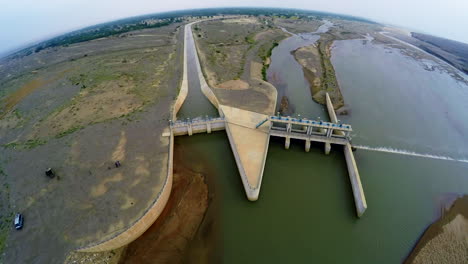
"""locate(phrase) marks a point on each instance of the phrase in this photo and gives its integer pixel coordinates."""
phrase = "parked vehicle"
(50, 173)
(19, 220)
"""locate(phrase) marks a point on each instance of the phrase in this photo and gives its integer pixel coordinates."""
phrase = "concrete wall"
(332, 114)
(217, 126)
(184, 85)
(142, 224)
(355, 179)
(331, 110)
(204, 86)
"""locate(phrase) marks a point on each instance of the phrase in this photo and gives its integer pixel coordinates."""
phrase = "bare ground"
(167, 239)
(237, 78)
(446, 240)
(179, 236)
(298, 26)
(77, 109)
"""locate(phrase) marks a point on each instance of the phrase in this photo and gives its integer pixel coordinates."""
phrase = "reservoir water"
(306, 212)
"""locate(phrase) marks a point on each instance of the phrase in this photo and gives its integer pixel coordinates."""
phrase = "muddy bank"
(319, 71)
(184, 231)
(106, 257)
(445, 241)
(285, 108)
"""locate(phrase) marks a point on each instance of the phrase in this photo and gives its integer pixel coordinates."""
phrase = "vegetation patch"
(28, 144)
(319, 71)
(69, 131)
(266, 60)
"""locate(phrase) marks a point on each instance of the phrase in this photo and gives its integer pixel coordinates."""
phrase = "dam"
(288, 128)
(249, 133)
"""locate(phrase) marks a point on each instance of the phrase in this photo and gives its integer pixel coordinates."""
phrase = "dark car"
(19, 221)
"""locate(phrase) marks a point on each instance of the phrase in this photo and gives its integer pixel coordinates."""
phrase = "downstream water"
(306, 209)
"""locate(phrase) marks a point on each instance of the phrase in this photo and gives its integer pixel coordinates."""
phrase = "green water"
(306, 210)
(306, 213)
(196, 104)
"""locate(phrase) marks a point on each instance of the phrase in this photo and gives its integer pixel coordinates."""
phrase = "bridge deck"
(180, 128)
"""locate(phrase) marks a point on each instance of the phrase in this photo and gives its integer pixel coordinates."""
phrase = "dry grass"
(110, 99)
(298, 25)
(17, 96)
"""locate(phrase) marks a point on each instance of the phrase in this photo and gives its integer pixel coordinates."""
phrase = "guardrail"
(195, 121)
(314, 123)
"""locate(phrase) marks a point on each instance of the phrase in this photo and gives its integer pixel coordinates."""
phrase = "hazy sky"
(25, 21)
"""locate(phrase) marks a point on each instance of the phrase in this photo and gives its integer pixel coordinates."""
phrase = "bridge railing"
(310, 127)
(195, 121)
(307, 122)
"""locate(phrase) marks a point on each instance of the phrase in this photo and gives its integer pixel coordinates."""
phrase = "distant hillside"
(453, 52)
(121, 26)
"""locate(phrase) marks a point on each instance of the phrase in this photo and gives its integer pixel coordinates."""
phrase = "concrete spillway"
(249, 145)
(355, 179)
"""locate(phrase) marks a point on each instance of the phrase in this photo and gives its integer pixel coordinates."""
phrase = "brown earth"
(168, 238)
(234, 85)
(284, 106)
(446, 240)
(253, 40)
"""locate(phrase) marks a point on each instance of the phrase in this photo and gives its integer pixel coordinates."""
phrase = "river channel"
(305, 213)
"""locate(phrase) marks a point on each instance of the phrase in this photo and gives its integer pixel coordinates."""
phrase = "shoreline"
(443, 241)
(181, 220)
(319, 71)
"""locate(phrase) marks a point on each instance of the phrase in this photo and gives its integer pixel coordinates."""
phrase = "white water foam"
(409, 153)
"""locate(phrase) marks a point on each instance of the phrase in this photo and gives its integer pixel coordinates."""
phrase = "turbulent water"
(409, 153)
